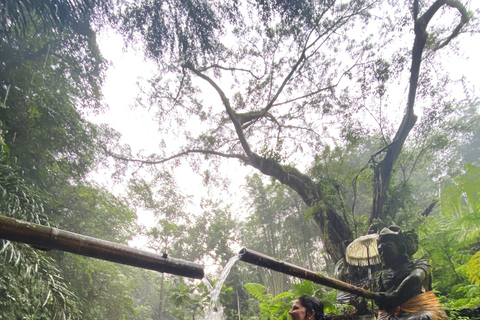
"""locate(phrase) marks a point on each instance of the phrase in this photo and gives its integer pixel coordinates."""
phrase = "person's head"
(307, 308)
(396, 247)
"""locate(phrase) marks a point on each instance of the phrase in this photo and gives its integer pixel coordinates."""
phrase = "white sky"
(128, 70)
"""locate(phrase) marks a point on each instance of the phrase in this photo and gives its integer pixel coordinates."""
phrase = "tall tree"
(290, 79)
(451, 238)
(276, 227)
(50, 76)
(27, 275)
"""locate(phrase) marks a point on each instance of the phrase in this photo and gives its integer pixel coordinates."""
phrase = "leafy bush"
(277, 307)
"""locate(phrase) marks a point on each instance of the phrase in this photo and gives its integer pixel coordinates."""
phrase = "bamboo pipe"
(52, 238)
(265, 261)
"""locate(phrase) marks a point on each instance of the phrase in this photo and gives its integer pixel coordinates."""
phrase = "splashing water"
(215, 310)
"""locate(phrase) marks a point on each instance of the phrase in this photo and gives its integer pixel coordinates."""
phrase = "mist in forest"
(189, 130)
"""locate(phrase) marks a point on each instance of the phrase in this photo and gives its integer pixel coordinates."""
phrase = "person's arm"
(409, 287)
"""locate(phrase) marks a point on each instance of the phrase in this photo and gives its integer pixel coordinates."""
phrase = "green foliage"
(47, 15)
(212, 232)
(462, 198)
(102, 288)
(278, 228)
(206, 236)
(50, 76)
(290, 95)
(277, 307)
(272, 307)
(185, 301)
(452, 241)
(32, 287)
(18, 199)
(50, 285)
(326, 295)
(87, 208)
(144, 288)
(462, 296)
(191, 30)
(200, 21)
(473, 269)
(181, 295)
(48, 80)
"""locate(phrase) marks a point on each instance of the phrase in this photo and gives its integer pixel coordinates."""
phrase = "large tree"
(50, 75)
(277, 228)
(271, 82)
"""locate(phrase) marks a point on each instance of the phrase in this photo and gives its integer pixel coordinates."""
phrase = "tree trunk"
(383, 171)
(238, 307)
(334, 229)
(162, 293)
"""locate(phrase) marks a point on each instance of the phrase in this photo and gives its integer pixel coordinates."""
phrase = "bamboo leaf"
(46, 299)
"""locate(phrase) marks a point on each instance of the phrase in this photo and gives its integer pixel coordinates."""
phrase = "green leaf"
(283, 295)
(257, 290)
(473, 269)
(5, 148)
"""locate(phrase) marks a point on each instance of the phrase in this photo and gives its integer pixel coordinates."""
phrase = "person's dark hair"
(312, 304)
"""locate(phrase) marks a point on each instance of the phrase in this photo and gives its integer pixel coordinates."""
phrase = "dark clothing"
(422, 303)
(389, 280)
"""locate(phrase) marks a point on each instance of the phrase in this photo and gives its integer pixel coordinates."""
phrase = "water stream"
(208, 284)
(214, 310)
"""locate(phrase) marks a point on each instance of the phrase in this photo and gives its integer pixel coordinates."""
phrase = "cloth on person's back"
(423, 306)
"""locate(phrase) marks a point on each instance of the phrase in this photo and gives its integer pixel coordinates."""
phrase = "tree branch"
(284, 83)
(463, 20)
(240, 157)
(321, 89)
(384, 169)
(429, 209)
(230, 69)
(231, 113)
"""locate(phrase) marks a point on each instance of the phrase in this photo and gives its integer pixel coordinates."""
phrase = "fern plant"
(451, 240)
(272, 307)
(277, 307)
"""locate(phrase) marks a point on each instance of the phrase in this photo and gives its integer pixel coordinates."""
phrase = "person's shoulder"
(421, 263)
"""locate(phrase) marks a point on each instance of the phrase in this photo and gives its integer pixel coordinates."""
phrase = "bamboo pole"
(52, 238)
(265, 261)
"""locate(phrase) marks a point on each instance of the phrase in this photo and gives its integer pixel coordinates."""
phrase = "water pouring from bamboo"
(262, 260)
(45, 237)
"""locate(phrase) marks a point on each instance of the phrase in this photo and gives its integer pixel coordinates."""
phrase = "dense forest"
(349, 113)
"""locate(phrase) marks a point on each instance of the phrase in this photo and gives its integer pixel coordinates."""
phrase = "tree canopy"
(284, 81)
(345, 109)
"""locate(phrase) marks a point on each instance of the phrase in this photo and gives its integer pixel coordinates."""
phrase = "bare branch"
(231, 113)
(306, 95)
(230, 69)
(321, 89)
(463, 20)
(179, 88)
(303, 57)
(383, 171)
(241, 157)
(422, 151)
(285, 81)
(429, 209)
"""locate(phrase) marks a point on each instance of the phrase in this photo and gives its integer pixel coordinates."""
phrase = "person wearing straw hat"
(405, 284)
